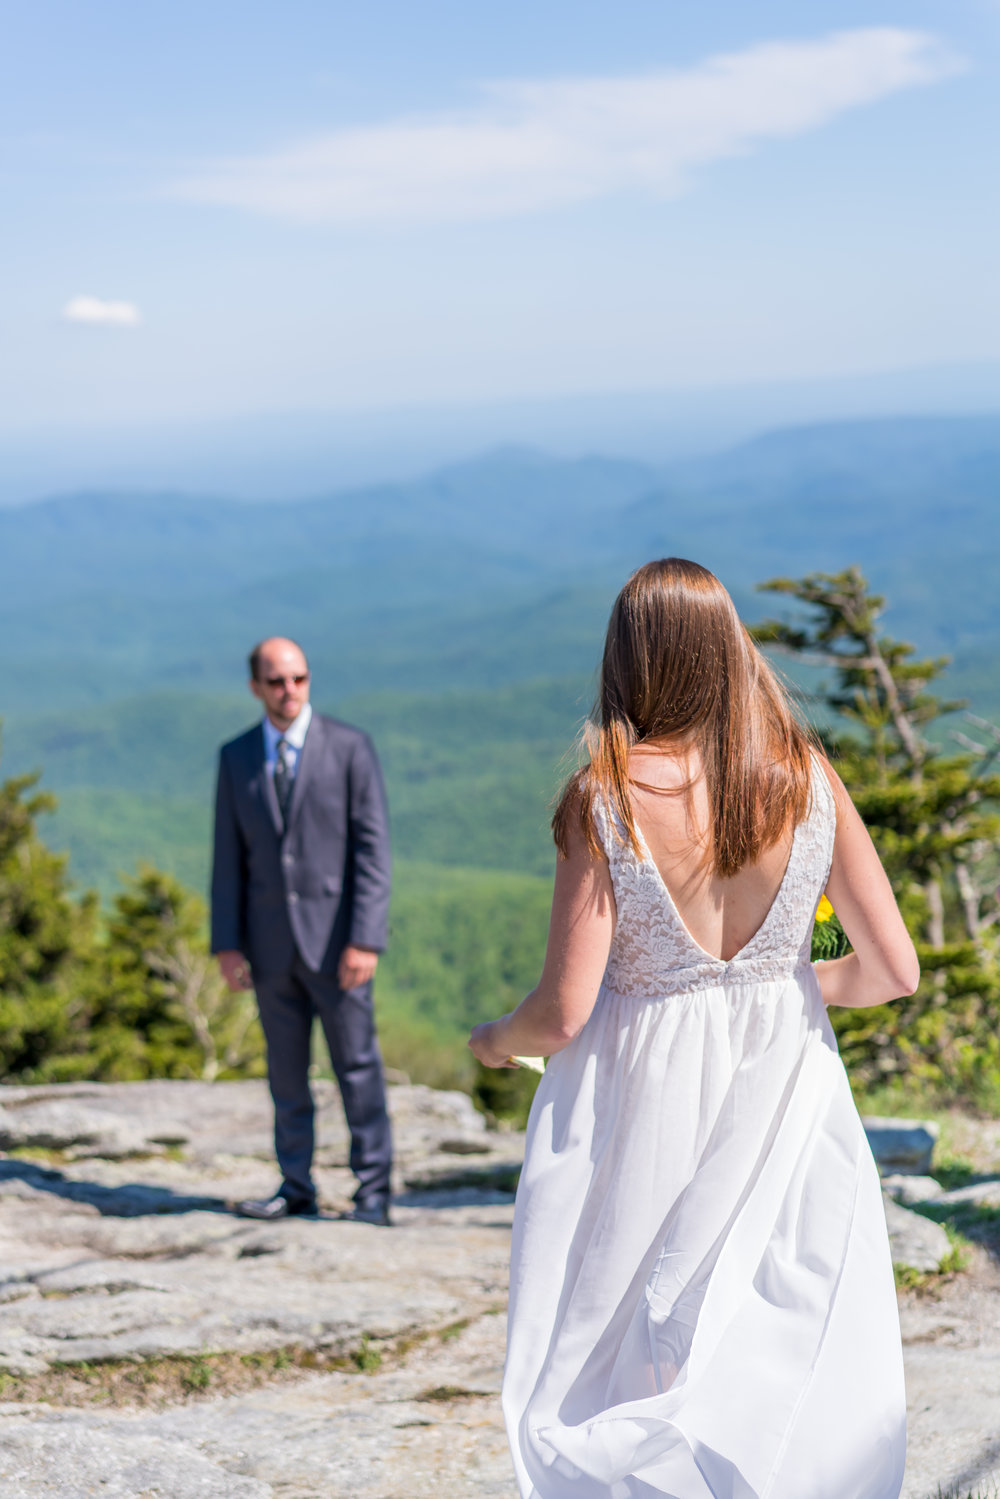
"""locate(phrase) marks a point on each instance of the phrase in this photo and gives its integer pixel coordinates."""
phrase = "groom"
(300, 894)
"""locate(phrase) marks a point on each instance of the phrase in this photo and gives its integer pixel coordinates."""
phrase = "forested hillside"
(426, 608)
(459, 619)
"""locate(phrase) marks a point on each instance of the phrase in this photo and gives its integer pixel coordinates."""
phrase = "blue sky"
(216, 209)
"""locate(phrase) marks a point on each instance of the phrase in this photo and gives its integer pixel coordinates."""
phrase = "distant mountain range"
(128, 612)
(285, 455)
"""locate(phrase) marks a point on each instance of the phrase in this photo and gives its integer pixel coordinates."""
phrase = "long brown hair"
(679, 668)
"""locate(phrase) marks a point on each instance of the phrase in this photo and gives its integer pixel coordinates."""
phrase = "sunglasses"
(303, 676)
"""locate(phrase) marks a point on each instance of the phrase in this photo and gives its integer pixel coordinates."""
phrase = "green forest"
(459, 619)
(124, 987)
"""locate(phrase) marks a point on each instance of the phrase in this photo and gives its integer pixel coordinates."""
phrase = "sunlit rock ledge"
(152, 1342)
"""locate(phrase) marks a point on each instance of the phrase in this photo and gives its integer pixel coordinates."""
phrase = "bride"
(702, 1301)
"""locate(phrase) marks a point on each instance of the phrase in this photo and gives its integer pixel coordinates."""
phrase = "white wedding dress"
(702, 1301)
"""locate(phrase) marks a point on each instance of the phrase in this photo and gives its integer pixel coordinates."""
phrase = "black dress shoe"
(375, 1213)
(270, 1209)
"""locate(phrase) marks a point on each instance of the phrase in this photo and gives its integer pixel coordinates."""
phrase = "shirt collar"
(295, 733)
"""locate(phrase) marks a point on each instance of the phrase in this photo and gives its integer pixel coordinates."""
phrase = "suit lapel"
(266, 783)
(307, 763)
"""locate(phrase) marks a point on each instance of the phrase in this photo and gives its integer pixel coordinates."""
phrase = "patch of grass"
(160, 1381)
(179, 1378)
(446, 1392)
(952, 1171)
(404, 1345)
(366, 1357)
(955, 1260)
(909, 1279)
(171, 1379)
(928, 1281)
(454, 1329)
(52, 1157)
(39, 1154)
(899, 1098)
(965, 1221)
(198, 1376)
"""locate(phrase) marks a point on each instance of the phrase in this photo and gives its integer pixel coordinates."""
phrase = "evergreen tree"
(161, 1008)
(933, 818)
(145, 1001)
(46, 940)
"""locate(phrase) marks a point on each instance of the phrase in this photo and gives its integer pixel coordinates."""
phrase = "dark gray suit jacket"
(320, 883)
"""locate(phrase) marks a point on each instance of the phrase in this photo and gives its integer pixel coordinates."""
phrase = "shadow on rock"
(127, 1200)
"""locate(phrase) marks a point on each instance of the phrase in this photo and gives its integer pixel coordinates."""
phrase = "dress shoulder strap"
(819, 829)
(822, 802)
(601, 814)
(611, 833)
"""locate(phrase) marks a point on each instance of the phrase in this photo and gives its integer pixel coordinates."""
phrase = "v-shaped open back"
(675, 910)
(653, 951)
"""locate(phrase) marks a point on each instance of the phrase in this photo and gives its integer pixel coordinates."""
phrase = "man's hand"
(357, 965)
(235, 971)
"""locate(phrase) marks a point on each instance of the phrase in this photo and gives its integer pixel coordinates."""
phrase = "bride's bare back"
(670, 806)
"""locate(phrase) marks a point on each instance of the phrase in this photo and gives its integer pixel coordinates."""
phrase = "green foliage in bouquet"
(505, 1093)
(829, 940)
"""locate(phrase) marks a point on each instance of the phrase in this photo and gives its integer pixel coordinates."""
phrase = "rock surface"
(81, 1131)
(984, 1192)
(902, 1145)
(952, 1350)
(915, 1242)
(120, 1260)
(912, 1189)
(431, 1430)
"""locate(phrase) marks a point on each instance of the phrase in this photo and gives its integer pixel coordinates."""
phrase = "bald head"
(279, 677)
(265, 647)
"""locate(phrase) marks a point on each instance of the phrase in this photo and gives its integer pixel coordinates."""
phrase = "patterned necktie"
(283, 778)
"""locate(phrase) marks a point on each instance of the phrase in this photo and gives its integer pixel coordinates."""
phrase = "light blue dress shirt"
(295, 735)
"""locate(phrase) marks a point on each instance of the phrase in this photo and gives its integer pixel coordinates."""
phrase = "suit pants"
(287, 1004)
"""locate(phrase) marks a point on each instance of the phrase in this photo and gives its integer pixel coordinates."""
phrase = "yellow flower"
(824, 910)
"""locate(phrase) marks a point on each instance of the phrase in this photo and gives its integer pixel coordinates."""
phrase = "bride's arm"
(883, 965)
(580, 931)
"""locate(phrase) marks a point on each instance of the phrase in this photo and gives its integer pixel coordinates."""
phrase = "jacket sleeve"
(228, 870)
(369, 850)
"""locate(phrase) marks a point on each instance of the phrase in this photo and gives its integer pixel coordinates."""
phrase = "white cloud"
(537, 145)
(99, 313)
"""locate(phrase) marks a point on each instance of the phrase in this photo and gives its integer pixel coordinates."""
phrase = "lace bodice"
(653, 954)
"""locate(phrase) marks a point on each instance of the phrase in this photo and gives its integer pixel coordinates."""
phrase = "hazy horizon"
(293, 454)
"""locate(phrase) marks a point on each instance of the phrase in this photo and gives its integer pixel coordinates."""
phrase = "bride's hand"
(487, 1046)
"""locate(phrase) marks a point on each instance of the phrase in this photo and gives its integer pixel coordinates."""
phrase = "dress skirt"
(702, 1301)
